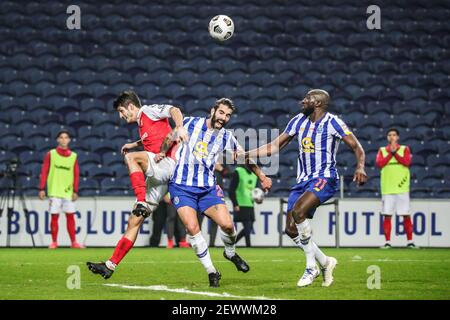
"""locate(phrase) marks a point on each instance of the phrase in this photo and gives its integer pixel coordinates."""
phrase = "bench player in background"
(193, 185)
(153, 122)
(319, 133)
(61, 173)
(394, 161)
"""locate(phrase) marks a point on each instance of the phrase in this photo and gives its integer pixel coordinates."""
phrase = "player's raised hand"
(126, 147)
(266, 184)
(360, 176)
(182, 134)
(159, 157)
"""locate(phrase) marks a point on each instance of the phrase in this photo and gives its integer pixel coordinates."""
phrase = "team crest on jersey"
(307, 145)
(201, 150)
(176, 200)
(320, 129)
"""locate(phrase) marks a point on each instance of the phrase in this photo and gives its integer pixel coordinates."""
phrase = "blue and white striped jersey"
(196, 158)
(318, 144)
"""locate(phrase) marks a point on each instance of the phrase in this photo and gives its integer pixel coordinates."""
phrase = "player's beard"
(307, 110)
(214, 120)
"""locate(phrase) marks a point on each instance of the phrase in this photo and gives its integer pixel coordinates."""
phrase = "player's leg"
(68, 207)
(54, 230)
(317, 191)
(154, 196)
(106, 269)
(212, 234)
(292, 232)
(387, 210)
(138, 167)
(218, 212)
(241, 233)
(170, 226)
(188, 216)
(247, 232)
(305, 204)
(180, 230)
(403, 209)
(55, 207)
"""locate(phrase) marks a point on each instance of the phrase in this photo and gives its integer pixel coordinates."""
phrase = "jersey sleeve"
(232, 144)
(158, 111)
(339, 128)
(292, 126)
(186, 121)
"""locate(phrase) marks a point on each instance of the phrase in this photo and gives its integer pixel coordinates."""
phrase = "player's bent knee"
(129, 157)
(291, 232)
(228, 228)
(299, 214)
(192, 229)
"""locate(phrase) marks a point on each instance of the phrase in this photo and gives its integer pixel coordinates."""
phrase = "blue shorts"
(323, 188)
(198, 198)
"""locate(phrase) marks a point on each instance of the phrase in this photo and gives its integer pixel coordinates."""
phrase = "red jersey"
(153, 122)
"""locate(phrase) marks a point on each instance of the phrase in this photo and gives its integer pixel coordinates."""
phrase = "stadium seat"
(88, 187)
(376, 80)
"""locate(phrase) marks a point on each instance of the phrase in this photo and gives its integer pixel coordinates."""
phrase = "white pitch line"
(398, 260)
(142, 262)
(185, 291)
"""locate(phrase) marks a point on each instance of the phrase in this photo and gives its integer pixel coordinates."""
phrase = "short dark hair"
(62, 132)
(126, 97)
(393, 129)
(226, 101)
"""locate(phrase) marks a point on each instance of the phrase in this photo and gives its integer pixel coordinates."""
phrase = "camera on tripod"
(8, 192)
(11, 168)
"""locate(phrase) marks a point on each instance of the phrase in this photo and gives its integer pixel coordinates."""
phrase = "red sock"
(54, 227)
(123, 246)
(408, 227)
(138, 183)
(387, 226)
(71, 226)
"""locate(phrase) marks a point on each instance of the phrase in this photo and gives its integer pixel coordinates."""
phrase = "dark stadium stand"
(53, 78)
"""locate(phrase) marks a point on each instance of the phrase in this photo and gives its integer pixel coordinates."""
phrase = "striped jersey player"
(193, 186)
(318, 145)
(197, 158)
(318, 133)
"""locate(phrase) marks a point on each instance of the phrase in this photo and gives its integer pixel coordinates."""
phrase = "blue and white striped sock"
(200, 246)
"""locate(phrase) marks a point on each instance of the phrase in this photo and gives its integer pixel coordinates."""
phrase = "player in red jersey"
(154, 126)
(61, 173)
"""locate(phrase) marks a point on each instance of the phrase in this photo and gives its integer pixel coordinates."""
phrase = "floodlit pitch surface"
(159, 273)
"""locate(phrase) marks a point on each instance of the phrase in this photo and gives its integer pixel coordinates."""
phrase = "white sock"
(229, 241)
(304, 231)
(200, 246)
(110, 265)
(318, 254)
(297, 241)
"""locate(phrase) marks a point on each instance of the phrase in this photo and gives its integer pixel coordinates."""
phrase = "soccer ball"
(221, 27)
(258, 195)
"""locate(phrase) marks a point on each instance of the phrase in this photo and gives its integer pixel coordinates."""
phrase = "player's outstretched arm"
(177, 116)
(266, 182)
(271, 148)
(360, 176)
(128, 146)
(169, 140)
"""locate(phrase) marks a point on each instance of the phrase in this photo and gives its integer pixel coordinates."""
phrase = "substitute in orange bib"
(394, 161)
(60, 172)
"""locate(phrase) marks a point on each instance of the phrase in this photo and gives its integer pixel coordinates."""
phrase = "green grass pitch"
(42, 274)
